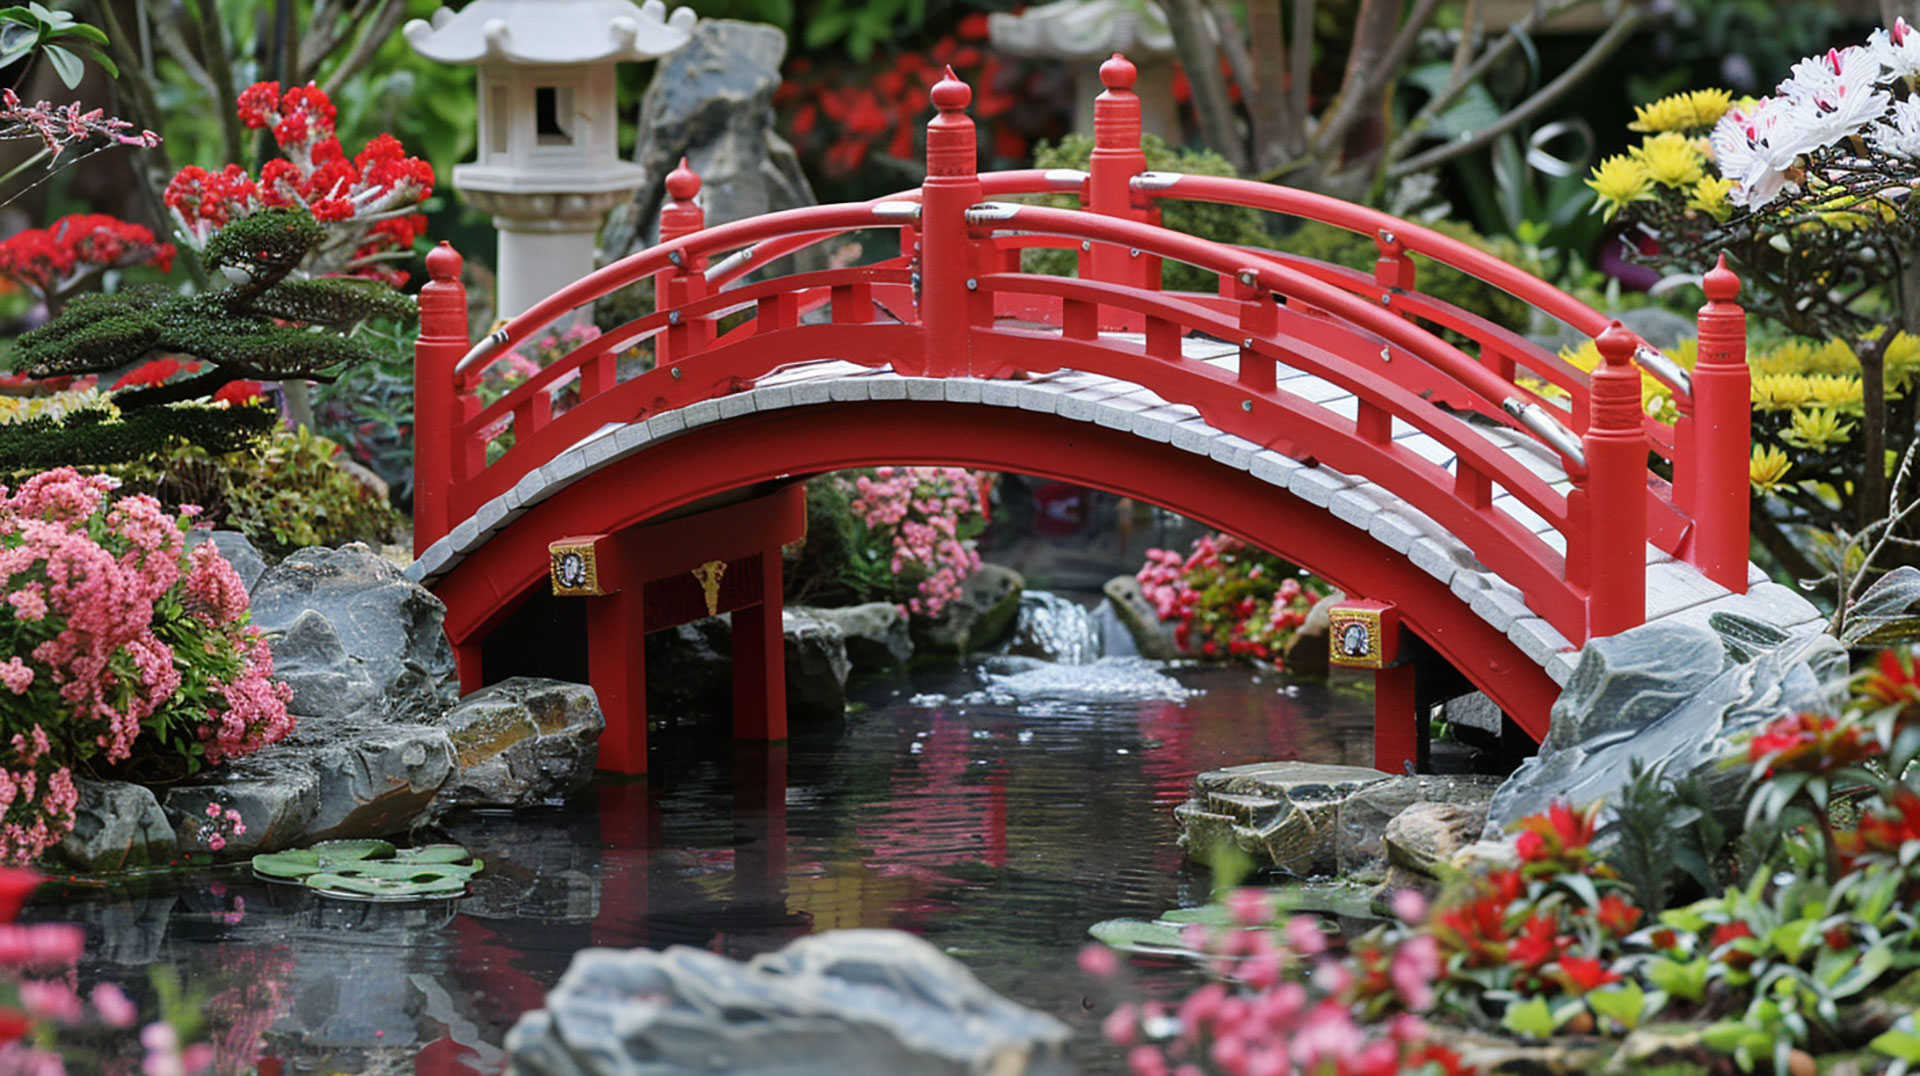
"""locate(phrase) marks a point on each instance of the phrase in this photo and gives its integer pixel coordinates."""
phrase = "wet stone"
(117, 826)
(875, 634)
(1151, 637)
(1283, 814)
(843, 1003)
(1422, 840)
(983, 615)
(1365, 815)
(521, 743)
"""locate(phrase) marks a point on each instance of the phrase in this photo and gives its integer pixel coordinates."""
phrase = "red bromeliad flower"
(1582, 974)
(1538, 942)
(1896, 682)
(1617, 915)
(239, 392)
(1561, 838)
(1885, 831)
(1810, 743)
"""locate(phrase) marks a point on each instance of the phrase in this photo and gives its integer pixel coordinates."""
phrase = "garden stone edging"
(1671, 693)
(523, 742)
(842, 1003)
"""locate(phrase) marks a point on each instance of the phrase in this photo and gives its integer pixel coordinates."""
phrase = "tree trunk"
(1267, 108)
(1194, 42)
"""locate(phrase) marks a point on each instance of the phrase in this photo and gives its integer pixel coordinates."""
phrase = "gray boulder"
(690, 670)
(522, 743)
(1308, 652)
(712, 103)
(371, 783)
(843, 1003)
(357, 641)
(1365, 816)
(983, 615)
(116, 826)
(238, 550)
(1283, 814)
(1152, 637)
(1421, 841)
(1669, 693)
(875, 634)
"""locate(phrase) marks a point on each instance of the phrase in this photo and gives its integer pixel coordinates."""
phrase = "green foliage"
(1235, 225)
(54, 34)
(1338, 246)
(285, 493)
(264, 327)
(1664, 835)
(102, 436)
(373, 870)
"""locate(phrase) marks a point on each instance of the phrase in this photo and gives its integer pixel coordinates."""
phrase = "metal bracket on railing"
(897, 210)
(729, 263)
(480, 351)
(990, 212)
(1558, 437)
(1066, 179)
(1664, 370)
(1155, 181)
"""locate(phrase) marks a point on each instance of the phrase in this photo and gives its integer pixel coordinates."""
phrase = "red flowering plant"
(1229, 600)
(130, 654)
(56, 261)
(368, 201)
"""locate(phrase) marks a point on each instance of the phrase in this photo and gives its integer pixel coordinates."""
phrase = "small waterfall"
(1055, 629)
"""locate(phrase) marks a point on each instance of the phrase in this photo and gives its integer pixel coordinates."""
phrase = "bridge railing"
(939, 310)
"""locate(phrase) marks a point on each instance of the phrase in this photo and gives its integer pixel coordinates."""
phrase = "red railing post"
(1615, 517)
(1722, 442)
(436, 351)
(946, 259)
(680, 216)
(1117, 158)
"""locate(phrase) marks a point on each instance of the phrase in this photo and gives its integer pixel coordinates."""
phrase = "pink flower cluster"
(116, 629)
(221, 823)
(922, 510)
(1295, 1008)
(60, 126)
(1227, 599)
(375, 190)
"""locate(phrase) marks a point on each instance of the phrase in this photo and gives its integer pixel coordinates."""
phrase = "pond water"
(998, 810)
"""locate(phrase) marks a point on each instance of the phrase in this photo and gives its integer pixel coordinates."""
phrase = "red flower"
(1585, 974)
(1895, 683)
(1725, 935)
(1559, 838)
(1617, 915)
(1809, 743)
(154, 373)
(238, 392)
(1536, 943)
(16, 886)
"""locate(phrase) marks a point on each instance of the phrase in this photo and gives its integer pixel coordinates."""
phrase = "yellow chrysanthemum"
(1768, 468)
(1713, 196)
(1619, 181)
(55, 405)
(1815, 429)
(1682, 111)
(1671, 160)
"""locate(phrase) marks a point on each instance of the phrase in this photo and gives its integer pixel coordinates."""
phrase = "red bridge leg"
(1396, 717)
(760, 660)
(617, 668)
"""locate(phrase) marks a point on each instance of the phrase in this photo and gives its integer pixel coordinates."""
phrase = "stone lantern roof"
(550, 32)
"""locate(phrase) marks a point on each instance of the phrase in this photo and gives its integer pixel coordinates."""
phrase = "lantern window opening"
(553, 115)
(499, 119)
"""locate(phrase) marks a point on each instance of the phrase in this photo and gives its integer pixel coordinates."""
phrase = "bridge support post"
(438, 349)
(1116, 159)
(1609, 505)
(947, 261)
(680, 217)
(1722, 435)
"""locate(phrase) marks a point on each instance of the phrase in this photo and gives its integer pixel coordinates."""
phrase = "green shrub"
(1326, 243)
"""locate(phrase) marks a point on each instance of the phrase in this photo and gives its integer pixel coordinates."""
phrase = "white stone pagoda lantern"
(1084, 33)
(549, 164)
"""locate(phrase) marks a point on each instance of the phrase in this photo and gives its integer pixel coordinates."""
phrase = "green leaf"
(1529, 1019)
(1873, 964)
(1625, 1003)
(106, 62)
(82, 31)
(1904, 1045)
(65, 64)
(1686, 980)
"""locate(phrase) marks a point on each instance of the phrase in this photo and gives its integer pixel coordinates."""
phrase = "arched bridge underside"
(1086, 429)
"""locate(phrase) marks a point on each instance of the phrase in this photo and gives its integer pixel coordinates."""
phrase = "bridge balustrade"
(956, 303)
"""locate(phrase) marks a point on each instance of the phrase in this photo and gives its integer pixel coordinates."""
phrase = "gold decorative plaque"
(573, 567)
(1362, 634)
(709, 576)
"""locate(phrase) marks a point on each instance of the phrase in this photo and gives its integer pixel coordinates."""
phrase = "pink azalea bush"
(1227, 599)
(129, 654)
(928, 516)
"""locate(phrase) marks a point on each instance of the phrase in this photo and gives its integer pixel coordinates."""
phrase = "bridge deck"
(1675, 589)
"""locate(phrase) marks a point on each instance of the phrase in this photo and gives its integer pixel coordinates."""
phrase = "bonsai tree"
(265, 326)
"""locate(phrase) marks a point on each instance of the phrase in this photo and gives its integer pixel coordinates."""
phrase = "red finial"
(1720, 284)
(444, 262)
(1118, 74)
(1617, 344)
(950, 94)
(683, 183)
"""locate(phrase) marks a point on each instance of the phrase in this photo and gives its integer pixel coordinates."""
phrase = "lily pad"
(373, 870)
(1140, 936)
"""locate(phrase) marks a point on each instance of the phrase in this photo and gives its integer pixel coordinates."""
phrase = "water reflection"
(999, 813)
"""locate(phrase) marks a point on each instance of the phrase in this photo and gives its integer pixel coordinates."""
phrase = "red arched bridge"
(1503, 505)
